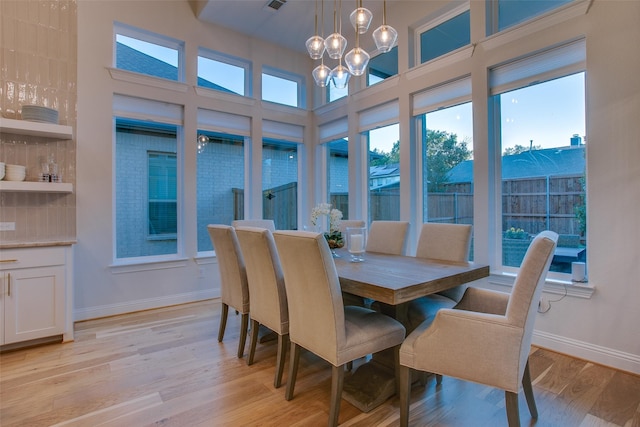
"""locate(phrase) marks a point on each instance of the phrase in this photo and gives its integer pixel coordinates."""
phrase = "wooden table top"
(395, 279)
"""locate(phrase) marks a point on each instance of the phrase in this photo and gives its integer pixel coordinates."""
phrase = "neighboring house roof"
(549, 161)
(138, 62)
(381, 171)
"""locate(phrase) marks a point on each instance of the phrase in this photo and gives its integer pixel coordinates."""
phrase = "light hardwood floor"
(165, 367)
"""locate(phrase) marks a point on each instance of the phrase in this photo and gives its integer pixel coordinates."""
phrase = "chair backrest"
(523, 302)
(316, 311)
(233, 275)
(266, 280)
(345, 223)
(446, 242)
(262, 223)
(387, 237)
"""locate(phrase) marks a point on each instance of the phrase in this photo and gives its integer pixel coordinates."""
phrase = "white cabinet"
(35, 294)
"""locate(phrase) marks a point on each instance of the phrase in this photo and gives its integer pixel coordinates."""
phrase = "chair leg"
(513, 413)
(337, 381)
(255, 325)
(438, 379)
(223, 321)
(283, 343)
(528, 392)
(349, 365)
(293, 370)
(244, 326)
(405, 391)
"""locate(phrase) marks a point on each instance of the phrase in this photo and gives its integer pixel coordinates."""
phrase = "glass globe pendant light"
(361, 18)
(340, 76)
(335, 44)
(321, 75)
(315, 43)
(357, 59)
(385, 36)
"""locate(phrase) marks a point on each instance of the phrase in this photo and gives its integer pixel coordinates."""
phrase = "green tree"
(387, 158)
(517, 149)
(444, 152)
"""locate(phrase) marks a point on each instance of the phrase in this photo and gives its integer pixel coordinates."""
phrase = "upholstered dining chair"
(486, 337)
(268, 294)
(387, 237)
(346, 223)
(442, 242)
(318, 320)
(262, 223)
(233, 279)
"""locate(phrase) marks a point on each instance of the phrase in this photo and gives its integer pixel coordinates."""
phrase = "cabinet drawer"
(11, 259)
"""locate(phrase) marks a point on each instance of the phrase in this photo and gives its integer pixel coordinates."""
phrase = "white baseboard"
(146, 304)
(594, 353)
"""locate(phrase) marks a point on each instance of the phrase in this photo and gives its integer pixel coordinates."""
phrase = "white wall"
(602, 328)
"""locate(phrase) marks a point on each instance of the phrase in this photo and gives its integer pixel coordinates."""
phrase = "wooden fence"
(532, 204)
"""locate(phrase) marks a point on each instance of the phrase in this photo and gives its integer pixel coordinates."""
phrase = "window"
(146, 188)
(224, 73)
(220, 182)
(384, 173)
(439, 38)
(282, 87)
(502, 14)
(163, 218)
(382, 66)
(338, 175)
(280, 183)
(333, 93)
(147, 53)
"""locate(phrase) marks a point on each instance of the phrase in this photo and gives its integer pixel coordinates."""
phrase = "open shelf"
(40, 187)
(47, 130)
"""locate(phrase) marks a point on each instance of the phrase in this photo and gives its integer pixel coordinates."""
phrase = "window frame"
(245, 64)
(438, 20)
(153, 38)
(300, 81)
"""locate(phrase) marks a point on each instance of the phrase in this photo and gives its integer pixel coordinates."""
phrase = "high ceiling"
(291, 24)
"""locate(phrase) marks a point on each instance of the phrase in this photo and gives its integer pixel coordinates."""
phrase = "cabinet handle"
(8, 260)
(9, 280)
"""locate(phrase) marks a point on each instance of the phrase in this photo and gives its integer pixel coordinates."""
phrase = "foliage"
(334, 236)
(387, 158)
(444, 152)
(518, 149)
(580, 210)
(516, 233)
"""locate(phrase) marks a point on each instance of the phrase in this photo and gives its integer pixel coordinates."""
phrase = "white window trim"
(231, 60)
(150, 37)
(298, 79)
(440, 18)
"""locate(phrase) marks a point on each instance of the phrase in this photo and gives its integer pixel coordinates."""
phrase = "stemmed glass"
(356, 242)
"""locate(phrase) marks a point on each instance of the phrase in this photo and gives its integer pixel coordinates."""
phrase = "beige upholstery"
(388, 237)
(262, 223)
(318, 321)
(346, 223)
(268, 294)
(444, 242)
(233, 279)
(486, 338)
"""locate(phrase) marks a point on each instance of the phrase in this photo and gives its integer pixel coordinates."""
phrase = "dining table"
(392, 282)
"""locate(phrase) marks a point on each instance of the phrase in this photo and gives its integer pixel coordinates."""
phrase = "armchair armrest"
(480, 347)
(484, 301)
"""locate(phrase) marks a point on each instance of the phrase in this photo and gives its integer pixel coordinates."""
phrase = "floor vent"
(276, 4)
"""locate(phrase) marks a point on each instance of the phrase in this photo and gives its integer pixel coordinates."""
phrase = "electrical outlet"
(7, 226)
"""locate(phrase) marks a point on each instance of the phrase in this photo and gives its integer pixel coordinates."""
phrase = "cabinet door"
(34, 303)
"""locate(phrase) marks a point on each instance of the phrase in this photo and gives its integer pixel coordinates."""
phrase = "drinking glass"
(356, 242)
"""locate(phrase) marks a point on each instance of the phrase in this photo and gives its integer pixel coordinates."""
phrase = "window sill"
(132, 265)
(131, 77)
(551, 286)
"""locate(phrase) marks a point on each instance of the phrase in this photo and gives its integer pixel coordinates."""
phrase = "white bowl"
(10, 177)
(15, 168)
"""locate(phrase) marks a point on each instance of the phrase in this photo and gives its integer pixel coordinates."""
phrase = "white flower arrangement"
(335, 216)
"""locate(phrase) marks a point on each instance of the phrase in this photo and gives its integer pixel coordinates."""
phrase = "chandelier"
(357, 59)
